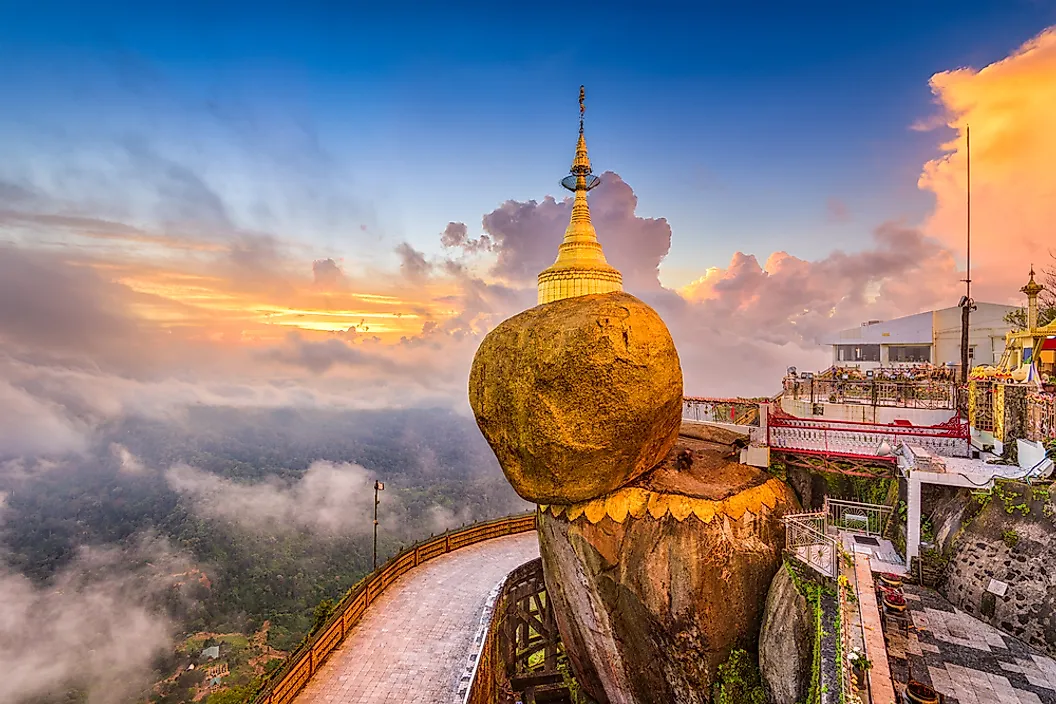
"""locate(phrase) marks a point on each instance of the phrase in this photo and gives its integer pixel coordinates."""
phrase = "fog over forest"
(102, 549)
(212, 342)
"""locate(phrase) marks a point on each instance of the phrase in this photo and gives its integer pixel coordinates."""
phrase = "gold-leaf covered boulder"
(654, 585)
(579, 396)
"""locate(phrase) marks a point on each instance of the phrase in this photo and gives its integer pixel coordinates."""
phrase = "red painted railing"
(846, 438)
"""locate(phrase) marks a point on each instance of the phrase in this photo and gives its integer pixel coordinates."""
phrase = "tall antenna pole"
(966, 309)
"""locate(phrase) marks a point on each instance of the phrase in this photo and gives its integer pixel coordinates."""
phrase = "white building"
(932, 337)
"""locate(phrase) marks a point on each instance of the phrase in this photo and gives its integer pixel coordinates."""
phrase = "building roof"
(212, 652)
(907, 330)
(911, 329)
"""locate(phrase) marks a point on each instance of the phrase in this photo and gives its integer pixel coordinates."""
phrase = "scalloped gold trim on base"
(636, 503)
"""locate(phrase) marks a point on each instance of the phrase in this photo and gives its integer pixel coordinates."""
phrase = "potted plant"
(894, 601)
(920, 693)
(1048, 384)
(890, 580)
(860, 664)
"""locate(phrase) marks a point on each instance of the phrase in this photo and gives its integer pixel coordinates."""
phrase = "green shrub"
(739, 681)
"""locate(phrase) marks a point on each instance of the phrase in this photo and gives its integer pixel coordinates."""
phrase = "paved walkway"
(967, 660)
(414, 641)
(883, 692)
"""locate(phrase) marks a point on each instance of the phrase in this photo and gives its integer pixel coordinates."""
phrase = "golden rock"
(579, 396)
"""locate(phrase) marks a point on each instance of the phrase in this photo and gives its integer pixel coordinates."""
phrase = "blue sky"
(353, 128)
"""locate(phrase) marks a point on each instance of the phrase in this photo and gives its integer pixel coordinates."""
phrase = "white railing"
(856, 517)
(807, 541)
(856, 439)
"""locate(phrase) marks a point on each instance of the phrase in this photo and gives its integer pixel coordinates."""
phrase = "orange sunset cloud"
(1010, 106)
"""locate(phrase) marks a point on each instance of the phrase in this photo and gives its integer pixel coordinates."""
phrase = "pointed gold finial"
(1033, 288)
(582, 106)
(580, 268)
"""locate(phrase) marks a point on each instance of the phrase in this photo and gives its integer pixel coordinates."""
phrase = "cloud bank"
(1009, 106)
(329, 499)
(109, 308)
(96, 626)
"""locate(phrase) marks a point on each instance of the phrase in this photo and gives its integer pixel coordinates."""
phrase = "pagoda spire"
(580, 268)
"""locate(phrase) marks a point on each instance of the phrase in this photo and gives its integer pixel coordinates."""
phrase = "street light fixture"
(378, 486)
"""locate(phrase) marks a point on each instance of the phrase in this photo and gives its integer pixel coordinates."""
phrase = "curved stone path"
(413, 643)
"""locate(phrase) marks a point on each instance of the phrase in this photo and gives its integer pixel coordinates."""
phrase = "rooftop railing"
(931, 394)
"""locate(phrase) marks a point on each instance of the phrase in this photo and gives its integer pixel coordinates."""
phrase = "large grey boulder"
(786, 642)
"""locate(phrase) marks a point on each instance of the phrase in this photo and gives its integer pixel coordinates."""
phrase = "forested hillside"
(245, 517)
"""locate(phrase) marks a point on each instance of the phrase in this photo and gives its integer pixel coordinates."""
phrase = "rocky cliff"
(1012, 539)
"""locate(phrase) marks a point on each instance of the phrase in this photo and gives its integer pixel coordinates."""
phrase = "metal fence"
(1041, 417)
(926, 394)
(738, 411)
(807, 541)
(856, 517)
(286, 682)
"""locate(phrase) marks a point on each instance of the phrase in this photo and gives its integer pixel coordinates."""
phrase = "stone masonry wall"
(1013, 540)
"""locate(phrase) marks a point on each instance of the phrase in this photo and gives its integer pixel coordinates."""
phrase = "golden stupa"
(580, 268)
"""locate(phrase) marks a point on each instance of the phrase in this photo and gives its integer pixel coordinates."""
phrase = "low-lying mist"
(213, 520)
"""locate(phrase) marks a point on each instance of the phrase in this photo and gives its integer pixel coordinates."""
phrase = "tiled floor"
(965, 659)
(413, 642)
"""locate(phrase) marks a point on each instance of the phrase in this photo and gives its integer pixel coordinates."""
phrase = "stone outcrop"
(579, 396)
(656, 583)
(786, 642)
(1012, 540)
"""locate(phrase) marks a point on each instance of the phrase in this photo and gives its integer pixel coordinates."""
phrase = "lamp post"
(378, 486)
(966, 300)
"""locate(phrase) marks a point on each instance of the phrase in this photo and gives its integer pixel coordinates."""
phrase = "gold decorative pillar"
(1032, 289)
(580, 268)
(999, 411)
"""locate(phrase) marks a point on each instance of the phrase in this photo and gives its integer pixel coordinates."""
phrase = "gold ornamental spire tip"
(581, 162)
(1033, 288)
(582, 106)
(580, 268)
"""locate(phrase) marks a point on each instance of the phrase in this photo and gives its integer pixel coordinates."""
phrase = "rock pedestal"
(654, 584)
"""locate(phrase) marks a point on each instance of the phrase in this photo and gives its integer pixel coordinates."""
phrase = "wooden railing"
(286, 682)
(520, 651)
